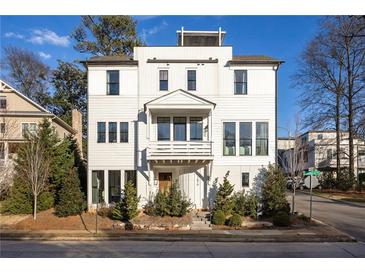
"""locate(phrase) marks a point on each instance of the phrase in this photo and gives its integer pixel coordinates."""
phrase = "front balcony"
(179, 150)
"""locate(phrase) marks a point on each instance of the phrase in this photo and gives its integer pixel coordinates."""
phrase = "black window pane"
(124, 132)
(163, 128)
(245, 179)
(240, 81)
(196, 128)
(112, 132)
(130, 176)
(262, 138)
(3, 103)
(101, 132)
(113, 82)
(229, 138)
(191, 79)
(114, 185)
(179, 129)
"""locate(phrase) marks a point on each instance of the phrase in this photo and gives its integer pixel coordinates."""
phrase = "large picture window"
(191, 79)
(164, 79)
(101, 132)
(112, 84)
(163, 128)
(124, 132)
(262, 138)
(245, 138)
(179, 129)
(196, 128)
(114, 185)
(229, 138)
(240, 82)
(112, 132)
(97, 182)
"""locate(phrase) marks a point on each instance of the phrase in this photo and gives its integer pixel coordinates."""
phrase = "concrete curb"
(176, 237)
(335, 200)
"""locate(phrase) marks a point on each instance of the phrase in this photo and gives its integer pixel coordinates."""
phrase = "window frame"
(179, 123)
(3, 99)
(191, 81)
(244, 83)
(123, 133)
(2, 128)
(113, 83)
(165, 80)
(198, 121)
(262, 139)
(134, 179)
(101, 188)
(112, 133)
(243, 174)
(245, 139)
(28, 128)
(224, 139)
(117, 186)
(2, 151)
(98, 132)
(169, 128)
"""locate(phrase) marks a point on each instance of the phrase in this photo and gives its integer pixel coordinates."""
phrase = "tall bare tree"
(26, 71)
(330, 72)
(33, 167)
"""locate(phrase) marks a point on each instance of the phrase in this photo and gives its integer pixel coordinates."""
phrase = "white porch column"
(210, 127)
(106, 186)
(148, 114)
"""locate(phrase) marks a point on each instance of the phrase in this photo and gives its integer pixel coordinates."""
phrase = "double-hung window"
(164, 79)
(191, 79)
(123, 132)
(262, 138)
(112, 82)
(101, 132)
(179, 129)
(245, 138)
(2, 128)
(163, 128)
(240, 82)
(229, 138)
(130, 176)
(196, 128)
(112, 132)
(28, 128)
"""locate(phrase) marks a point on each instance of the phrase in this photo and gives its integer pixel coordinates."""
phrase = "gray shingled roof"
(113, 60)
(254, 59)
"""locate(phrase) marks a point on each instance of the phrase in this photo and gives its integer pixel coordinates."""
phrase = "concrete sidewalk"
(317, 233)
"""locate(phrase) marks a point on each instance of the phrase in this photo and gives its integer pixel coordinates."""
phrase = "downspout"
(276, 113)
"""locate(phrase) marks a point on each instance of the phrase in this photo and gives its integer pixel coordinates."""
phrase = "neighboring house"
(318, 151)
(19, 115)
(186, 113)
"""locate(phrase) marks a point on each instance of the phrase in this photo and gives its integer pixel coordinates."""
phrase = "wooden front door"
(165, 181)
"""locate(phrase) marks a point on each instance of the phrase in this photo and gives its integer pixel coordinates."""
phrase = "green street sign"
(312, 172)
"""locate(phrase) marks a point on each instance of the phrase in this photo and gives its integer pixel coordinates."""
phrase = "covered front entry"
(164, 181)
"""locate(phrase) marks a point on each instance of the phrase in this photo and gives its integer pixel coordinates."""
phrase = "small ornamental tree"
(71, 199)
(224, 200)
(274, 191)
(127, 208)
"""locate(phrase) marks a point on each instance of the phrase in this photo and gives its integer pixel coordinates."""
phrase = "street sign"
(312, 172)
(307, 181)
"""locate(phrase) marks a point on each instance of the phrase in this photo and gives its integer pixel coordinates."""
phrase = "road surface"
(148, 249)
(345, 217)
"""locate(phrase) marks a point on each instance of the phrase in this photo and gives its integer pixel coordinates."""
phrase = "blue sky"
(283, 37)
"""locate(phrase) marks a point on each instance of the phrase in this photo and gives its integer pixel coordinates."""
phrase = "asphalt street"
(347, 218)
(148, 249)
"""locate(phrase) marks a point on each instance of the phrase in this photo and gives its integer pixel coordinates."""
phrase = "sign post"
(311, 173)
(97, 207)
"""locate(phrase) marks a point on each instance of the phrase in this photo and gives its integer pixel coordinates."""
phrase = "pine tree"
(127, 208)
(71, 199)
(274, 192)
(224, 199)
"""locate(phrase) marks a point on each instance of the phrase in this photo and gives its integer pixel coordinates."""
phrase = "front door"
(165, 181)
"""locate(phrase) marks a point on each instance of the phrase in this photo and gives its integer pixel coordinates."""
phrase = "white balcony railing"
(179, 150)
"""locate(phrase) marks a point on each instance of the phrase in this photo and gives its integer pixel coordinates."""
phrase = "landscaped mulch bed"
(144, 221)
(46, 220)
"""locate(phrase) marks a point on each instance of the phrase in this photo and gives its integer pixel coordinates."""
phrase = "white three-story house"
(186, 113)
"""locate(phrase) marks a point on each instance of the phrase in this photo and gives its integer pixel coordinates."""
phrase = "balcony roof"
(179, 99)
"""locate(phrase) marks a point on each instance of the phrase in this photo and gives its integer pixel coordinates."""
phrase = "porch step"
(201, 221)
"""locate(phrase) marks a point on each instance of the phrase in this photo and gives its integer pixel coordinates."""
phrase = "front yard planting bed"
(146, 222)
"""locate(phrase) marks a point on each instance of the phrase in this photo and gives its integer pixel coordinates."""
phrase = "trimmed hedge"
(218, 217)
(281, 219)
(235, 220)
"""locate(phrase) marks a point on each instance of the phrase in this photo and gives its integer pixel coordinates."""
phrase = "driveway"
(345, 217)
